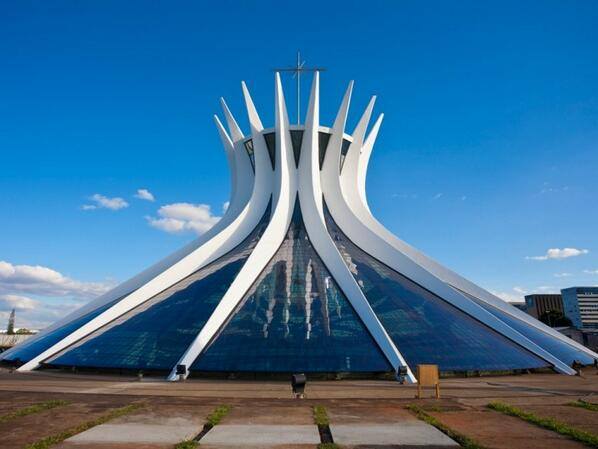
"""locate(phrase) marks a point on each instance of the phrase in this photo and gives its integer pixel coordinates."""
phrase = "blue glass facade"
(296, 141)
(562, 351)
(155, 334)
(28, 350)
(294, 319)
(424, 327)
(323, 140)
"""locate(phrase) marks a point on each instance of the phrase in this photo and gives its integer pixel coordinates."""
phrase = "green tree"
(11, 323)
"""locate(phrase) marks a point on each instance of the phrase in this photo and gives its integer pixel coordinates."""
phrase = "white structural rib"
(364, 159)
(221, 243)
(355, 197)
(273, 236)
(254, 119)
(235, 132)
(310, 199)
(241, 187)
(377, 247)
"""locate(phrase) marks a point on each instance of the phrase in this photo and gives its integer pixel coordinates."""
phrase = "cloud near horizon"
(557, 253)
(178, 218)
(18, 302)
(44, 281)
(517, 294)
(41, 295)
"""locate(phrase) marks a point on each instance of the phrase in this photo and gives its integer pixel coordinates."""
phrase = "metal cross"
(297, 70)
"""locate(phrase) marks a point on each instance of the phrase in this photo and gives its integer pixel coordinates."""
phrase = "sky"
(487, 158)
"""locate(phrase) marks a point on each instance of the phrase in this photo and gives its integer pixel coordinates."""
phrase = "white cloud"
(39, 280)
(509, 296)
(53, 295)
(557, 253)
(225, 206)
(562, 275)
(463, 198)
(517, 294)
(144, 194)
(547, 289)
(103, 202)
(40, 316)
(182, 217)
(437, 196)
(590, 271)
(9, 302)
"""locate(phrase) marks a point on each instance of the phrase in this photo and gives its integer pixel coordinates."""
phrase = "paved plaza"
(362, 414)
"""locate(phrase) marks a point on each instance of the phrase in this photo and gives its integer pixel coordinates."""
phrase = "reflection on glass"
(155, 334)
(425, 328)
(26, 351)
(557, 348)
(294, 319)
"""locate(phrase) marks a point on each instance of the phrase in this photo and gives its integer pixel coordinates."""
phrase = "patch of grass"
(187, 444)
(31, 409)
(328, 446)
(463, 440)
(216, 416)
(583, 404)
(320, 416)
(548, 423)
(50, 441)
(433, 408)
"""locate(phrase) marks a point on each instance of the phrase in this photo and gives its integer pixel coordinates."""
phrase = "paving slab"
(72, 445)
(172, 431)
(262, 446)
(261, 435)
(359, 413)
(406, 433)
(25, 430)
(494, 430)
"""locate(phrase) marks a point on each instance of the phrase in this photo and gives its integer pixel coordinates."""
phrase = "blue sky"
(488, 154)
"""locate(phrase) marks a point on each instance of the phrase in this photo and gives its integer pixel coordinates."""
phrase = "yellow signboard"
(427, 376)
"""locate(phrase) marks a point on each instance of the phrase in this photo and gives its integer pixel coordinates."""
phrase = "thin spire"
(254, 118)
(233, 127)
(226, 140)
(361, 128)
(343, 111)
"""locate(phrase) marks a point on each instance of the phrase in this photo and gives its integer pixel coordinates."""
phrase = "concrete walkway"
(369, 412)
(167, 433)
(154, 427)
(535, 385)
(142, 430)
(261, 435)
(406, 433)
